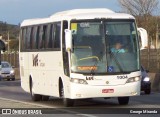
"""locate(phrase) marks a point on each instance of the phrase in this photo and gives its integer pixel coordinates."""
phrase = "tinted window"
(23, 38)
(42, 37)
(57, 35)
(37, 38)
(45, 36)
(51, 36)
(33, 37)
(28, 44)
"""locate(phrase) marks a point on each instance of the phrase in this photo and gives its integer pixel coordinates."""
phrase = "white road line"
(25, 102)
(86, 115)
(3, 85)
(155, 92)
(44, 106)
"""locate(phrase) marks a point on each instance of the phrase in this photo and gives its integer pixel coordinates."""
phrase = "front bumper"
(79, 91)
(7, 76)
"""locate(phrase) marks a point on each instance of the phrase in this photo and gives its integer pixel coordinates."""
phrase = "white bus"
(68, 55)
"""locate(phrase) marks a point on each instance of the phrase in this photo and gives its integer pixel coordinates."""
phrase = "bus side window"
(50, 36)
(43, 37)
(57, 36)
(53, 35)
(37, 38)
(31, 38)
(40, 43)
(28, 38)
(24, 31)
(47, 37)
(34, 37)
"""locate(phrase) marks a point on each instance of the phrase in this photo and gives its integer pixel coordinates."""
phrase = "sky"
(15, 11)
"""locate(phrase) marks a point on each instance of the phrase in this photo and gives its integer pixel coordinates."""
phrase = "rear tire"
(66, 102)
(45, 98)
(123, 100)
(35, 97)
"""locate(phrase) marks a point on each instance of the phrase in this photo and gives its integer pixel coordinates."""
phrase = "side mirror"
(2, 46)
(68, 39)
(143, 38)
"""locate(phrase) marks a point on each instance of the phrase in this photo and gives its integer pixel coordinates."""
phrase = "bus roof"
(78, 14)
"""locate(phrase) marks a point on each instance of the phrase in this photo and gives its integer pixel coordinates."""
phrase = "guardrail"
(150, 59)
(12, 58)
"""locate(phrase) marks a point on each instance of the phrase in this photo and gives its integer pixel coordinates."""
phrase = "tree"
(139, 7)
(143, 10)
(14, 44)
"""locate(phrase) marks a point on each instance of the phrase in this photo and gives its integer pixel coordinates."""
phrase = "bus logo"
(89, 78)
(107, 82)
(35, 60)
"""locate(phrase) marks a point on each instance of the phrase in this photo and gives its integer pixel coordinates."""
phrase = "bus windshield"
(104, 46)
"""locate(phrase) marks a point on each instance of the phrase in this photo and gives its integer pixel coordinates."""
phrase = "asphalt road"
(13, 96)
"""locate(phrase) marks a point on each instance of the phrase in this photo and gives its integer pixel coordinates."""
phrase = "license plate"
(107, 90)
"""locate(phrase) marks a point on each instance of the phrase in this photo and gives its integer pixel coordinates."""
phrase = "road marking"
(44, 106)
(24, 102)
(86, 115)
(3, 85)
(155, 92)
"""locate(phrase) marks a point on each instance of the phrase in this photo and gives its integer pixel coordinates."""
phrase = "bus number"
(122, 77)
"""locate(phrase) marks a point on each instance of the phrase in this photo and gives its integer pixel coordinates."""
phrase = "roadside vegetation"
(147, 16)
(10, 34)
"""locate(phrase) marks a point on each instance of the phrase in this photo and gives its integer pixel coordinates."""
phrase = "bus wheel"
(123, 100)
(35, 97)
(45, 98)
(67, 102)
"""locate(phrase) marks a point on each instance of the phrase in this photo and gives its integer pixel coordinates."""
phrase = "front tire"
(35, 97)
(45, 98)
(68, 102)
(123, 100)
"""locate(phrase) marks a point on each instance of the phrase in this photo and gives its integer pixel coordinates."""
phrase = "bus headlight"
(78, 81)
(133, 79)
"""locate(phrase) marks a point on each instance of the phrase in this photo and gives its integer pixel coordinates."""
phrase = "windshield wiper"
(95, 64)
(116, 61)
(94, 67)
